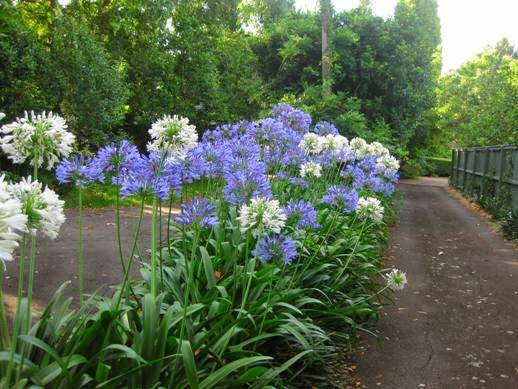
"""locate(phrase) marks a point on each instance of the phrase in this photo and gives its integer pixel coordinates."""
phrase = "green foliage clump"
(476, 101)
(89, 86)
(434, 166)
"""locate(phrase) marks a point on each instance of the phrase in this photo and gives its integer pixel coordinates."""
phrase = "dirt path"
(57, 260)
(456, 323)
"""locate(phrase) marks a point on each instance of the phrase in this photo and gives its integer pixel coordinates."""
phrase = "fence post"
(458, 168)
(465, 167)
(453, 161)
(485, 170)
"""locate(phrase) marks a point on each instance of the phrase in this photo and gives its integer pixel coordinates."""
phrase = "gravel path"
(456, 323)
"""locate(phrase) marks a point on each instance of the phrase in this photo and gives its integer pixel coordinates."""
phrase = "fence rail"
(487, 172)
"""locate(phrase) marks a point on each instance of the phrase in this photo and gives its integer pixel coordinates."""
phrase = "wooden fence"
(487, 172)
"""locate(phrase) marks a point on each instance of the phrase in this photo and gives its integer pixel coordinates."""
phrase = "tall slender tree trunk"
(325, 11)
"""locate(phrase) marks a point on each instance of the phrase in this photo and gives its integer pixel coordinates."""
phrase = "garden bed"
(272, 262)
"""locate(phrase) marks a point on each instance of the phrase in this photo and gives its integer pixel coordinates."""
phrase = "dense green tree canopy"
(478, 102)
(113, 66)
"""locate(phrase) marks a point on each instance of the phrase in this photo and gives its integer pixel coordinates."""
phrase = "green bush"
(433, 166)
(410, 169)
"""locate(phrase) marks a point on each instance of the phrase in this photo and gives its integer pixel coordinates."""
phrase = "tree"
(325, 12)
(477, 101)
(90, 87)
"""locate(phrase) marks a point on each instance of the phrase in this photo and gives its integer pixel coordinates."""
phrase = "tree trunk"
(325, 11)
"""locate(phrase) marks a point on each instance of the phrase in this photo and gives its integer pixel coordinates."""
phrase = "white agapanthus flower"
(377, 149)
(12, 222)
(2, 115)
(43, 207)
(336, 144)
(312, 144)
(37, 137)
(261, 215)
(174, 133)
(387, 163)
(310, 169)
(359, 147)
(370, 207)
(396, 279)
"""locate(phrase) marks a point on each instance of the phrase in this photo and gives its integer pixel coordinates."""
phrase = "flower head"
(116, 158)
(79, 170)
(261, 215)
(146, 179)
(396, 279)
(335, 144)
(341, 197)
(43, 208)
(292, 118)
(312, 144)
(370, 207)
(12, 222)
(310, 169)
(174, 134)
(303, 213)
(199, 212)
(387, 164)
(277, 248)
(39, 138)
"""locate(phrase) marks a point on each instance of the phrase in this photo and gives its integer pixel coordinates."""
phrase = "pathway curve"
(456, 323)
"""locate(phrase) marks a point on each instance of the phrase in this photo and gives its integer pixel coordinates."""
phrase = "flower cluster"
(396, 279)
(173, 134)
(342, 197)
(277, 248)
(12, 221)
(310, 169)
(303, 212)
(199, 212)
(78, 170)
(370, 208)
(261, 215)
(42, 206)
(39, 138)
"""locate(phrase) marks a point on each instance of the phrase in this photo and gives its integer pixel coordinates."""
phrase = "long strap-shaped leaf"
(224, 371)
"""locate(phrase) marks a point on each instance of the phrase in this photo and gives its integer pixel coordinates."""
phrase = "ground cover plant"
(273, 259)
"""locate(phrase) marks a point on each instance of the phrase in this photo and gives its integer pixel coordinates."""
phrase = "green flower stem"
(118, 221)
(248, 285)
(16, 330)
(160, 242)
(189, 281)
(132, 254)
(154, 248)
(350, 256)
(270, 288)
(4, 332)
(81, 246)
(312, 258)
(32, 268)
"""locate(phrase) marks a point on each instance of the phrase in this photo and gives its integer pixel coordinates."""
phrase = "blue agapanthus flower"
(277, 248)
(303, 213)
(325, 128)
(146, 179)
(291, 117)
(78, 170)
(244, 173)
(199, 212)
(242, 185)
(117, 157)
(341, 197)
